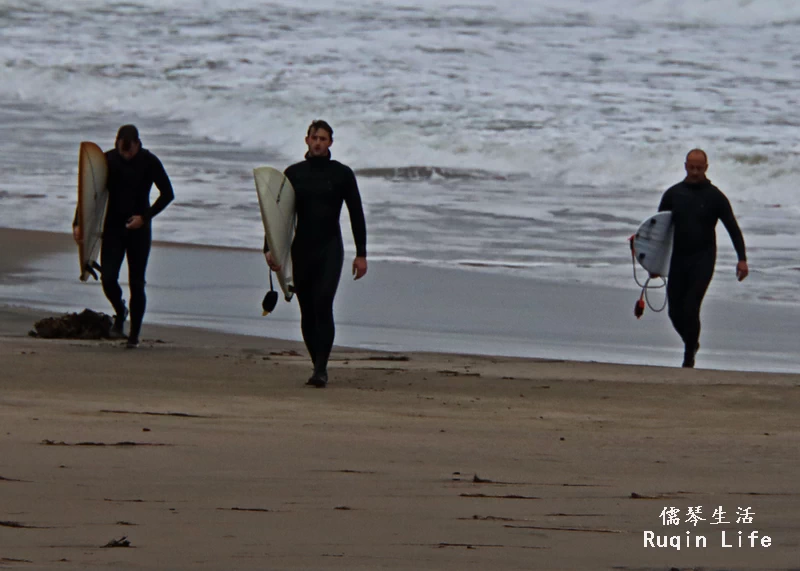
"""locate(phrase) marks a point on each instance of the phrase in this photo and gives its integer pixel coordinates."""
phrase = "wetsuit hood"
(318, 159)
(705, 183)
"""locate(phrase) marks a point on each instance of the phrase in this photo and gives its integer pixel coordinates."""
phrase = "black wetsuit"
(696, 208)
(321, 186)
(129, 184)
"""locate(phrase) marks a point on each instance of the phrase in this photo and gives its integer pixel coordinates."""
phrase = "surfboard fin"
(269, 302)
(270, 299)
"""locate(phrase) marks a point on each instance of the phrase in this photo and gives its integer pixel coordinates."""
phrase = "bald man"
(696, 206)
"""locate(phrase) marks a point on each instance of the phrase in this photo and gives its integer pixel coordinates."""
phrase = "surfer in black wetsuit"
(696, 206)
(321, 186)
(132, 170)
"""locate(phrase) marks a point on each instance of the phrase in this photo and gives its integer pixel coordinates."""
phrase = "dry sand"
(206, 451)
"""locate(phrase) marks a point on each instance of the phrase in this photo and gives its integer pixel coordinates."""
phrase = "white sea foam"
(522, 133)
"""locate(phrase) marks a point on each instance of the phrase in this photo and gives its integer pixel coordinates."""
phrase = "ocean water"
(526, 138)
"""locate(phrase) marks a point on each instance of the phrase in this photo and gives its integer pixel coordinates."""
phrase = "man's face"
(319, 141)
(128, 154)
(696, 167)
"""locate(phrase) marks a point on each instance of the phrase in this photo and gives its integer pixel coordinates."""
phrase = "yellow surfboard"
(92, 203)
(276, 199)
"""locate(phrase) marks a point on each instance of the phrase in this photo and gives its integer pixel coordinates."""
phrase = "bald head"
(696, 165)
(697, 153)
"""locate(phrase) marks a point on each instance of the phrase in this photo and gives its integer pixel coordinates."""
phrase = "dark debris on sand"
(121, 542)
(87, 324)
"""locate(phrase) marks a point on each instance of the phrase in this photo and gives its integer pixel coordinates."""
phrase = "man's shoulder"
(342, 167)
(291, 172)
(678, 186)
(149, 155)
(718, 197)
(668, 196)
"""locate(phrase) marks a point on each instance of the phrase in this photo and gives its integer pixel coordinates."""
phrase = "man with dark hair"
(127, 231)
(321, 186)
(696, 206)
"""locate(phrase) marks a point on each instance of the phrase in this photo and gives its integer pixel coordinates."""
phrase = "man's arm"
(666, 202)
(732, 226)
(273, 265)
(164, 186)
(358, 224)
(77, 234)
(165, 196)
(729, 220)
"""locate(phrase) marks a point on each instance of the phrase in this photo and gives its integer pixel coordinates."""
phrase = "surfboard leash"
(644, 299)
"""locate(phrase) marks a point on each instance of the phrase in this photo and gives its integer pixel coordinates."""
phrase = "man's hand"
(134, 222)
(77, 234)
(359, 267)
(742, 270)
(275, 267)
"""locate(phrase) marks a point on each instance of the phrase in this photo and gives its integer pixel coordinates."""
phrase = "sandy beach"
(494, 404)
(204, 450)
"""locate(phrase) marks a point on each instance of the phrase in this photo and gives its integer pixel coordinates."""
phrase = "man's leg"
(703, 272)
(689, 279)
(324, 294)
(303, 278)
(316, 278)
(112, 251)
(307, 319)
(138, 246)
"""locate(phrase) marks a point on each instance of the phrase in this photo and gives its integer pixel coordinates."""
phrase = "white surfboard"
(92, 202)
(652, 244)
(276, 199)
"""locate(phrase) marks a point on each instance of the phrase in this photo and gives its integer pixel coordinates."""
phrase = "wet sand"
(408, 307)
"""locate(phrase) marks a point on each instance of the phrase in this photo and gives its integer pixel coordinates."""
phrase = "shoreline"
(407, 307)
